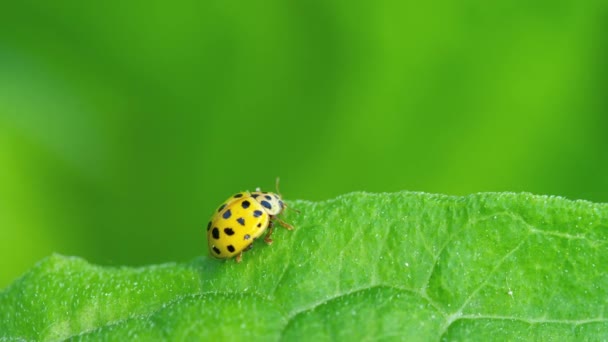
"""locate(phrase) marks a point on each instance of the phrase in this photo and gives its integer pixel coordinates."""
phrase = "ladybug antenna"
(277, 186)
(279, 193)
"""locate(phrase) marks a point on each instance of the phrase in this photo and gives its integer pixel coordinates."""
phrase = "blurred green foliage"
(123, 124)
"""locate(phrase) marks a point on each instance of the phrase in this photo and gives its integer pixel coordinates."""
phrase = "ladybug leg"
(239, 256)
(284, 224)
(267, 238)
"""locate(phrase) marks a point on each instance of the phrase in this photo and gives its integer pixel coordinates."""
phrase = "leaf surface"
(361, 266)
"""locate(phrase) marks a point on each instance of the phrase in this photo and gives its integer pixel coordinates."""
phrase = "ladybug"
(241, 219)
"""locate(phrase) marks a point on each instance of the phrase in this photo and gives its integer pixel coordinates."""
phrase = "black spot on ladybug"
(259, 225)
(282, 204)
(257, 213)
(227, 214)
(266, 205)
(241, 221)
(268, 197)
(230, 248)
(246, 237)
(276, 196)
(245, 204)
(238, 195)
(229, 231)
(255, 195)
(215, 233)
(216, 250)
(208, 225)
(221, 207)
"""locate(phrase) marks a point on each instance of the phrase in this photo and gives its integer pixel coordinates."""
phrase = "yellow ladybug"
(240, 220)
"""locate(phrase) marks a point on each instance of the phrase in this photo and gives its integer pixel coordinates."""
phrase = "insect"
(241, 219)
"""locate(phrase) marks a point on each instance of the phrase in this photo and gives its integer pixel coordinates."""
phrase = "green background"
(123, 124)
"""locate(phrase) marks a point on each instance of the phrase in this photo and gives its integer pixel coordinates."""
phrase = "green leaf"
(361, 266)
